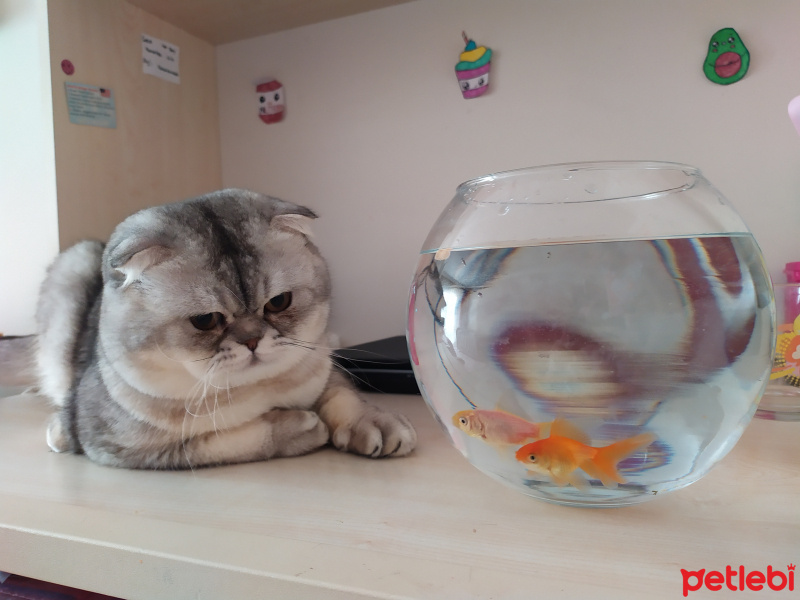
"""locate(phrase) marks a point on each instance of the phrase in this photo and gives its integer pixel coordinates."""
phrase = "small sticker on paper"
(91, 105)
(161, 59)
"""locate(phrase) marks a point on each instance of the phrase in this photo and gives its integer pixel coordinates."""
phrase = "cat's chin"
(184, 380)
(245, 368)
(246, 372)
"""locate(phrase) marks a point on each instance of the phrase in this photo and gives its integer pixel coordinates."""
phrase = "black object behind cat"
(379, 366)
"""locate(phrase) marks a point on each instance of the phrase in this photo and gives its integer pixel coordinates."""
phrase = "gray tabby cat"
(197, 337)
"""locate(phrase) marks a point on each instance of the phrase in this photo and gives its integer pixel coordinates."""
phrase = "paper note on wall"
(91, 105)
(161, 59)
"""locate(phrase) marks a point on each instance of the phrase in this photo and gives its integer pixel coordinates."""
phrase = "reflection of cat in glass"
(197, 337)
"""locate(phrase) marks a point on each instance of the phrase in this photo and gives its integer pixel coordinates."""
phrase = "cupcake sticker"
(473, 67)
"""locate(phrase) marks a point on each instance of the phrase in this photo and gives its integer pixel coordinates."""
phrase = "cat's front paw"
(376, 433)
(294, 432)
(56, 437)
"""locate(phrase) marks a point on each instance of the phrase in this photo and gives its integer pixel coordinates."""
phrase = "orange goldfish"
(568, 449)
(499, 427)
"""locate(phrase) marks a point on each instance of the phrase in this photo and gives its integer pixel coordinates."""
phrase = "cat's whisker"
(209, 374)
(311, 347)
(314, 346)
(307, 367)
(221, 418)
(217, 411)
(361, 360)
(235, 295)
(193, 410)
(195, 399)
(355, 377)
(202, 390)
(297, 344)
(183, 442)
(196, 392)
(200, 359)
(177, 360)
(190, 398)
(214, 412)
(199, 392)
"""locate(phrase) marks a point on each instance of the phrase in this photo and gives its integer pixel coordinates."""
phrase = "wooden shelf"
(331, 525)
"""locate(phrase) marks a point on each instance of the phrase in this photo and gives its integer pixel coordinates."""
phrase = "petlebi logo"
(738, 580)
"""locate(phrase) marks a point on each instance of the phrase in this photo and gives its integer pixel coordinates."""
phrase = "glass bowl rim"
(608, 165)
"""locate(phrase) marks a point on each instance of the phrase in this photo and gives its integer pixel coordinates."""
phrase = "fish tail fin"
(560, 427)
(540, 430)
(603, 465)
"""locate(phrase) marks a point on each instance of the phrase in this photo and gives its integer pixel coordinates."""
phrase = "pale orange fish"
(499, 427)
(568, 449)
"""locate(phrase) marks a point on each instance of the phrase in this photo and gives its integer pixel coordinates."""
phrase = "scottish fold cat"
(197, 337)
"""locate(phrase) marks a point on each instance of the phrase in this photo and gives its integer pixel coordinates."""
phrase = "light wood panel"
(166, 144)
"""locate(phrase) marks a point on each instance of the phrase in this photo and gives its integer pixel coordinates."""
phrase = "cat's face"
(224, 292)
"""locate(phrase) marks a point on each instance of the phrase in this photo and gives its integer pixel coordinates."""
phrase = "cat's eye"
(278, 303)
(208, 321)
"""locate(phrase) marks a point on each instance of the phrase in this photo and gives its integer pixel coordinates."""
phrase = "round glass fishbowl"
(592, 334)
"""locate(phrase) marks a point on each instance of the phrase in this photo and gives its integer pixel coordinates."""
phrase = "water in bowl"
(665, 337)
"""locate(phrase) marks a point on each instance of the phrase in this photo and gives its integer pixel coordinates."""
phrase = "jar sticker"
(271, 101)
(786, 363)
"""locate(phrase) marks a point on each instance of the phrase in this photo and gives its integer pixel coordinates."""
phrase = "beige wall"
(166, 144)
(377, 136)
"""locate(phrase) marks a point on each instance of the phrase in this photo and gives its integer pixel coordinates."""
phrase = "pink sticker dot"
(67, 67)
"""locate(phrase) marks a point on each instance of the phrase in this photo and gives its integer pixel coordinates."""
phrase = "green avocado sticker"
(727, 59)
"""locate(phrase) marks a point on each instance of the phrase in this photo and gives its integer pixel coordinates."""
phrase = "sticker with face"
(271, 101)
(728, 59)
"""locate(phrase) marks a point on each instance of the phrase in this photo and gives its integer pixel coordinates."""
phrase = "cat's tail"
(18, 361)
(69, 293)
(68, 297)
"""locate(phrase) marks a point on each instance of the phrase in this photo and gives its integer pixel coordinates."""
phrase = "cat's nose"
(247, 330)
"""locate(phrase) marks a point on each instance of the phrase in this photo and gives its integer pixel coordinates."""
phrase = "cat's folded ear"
(298, 223)
(133, 257)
